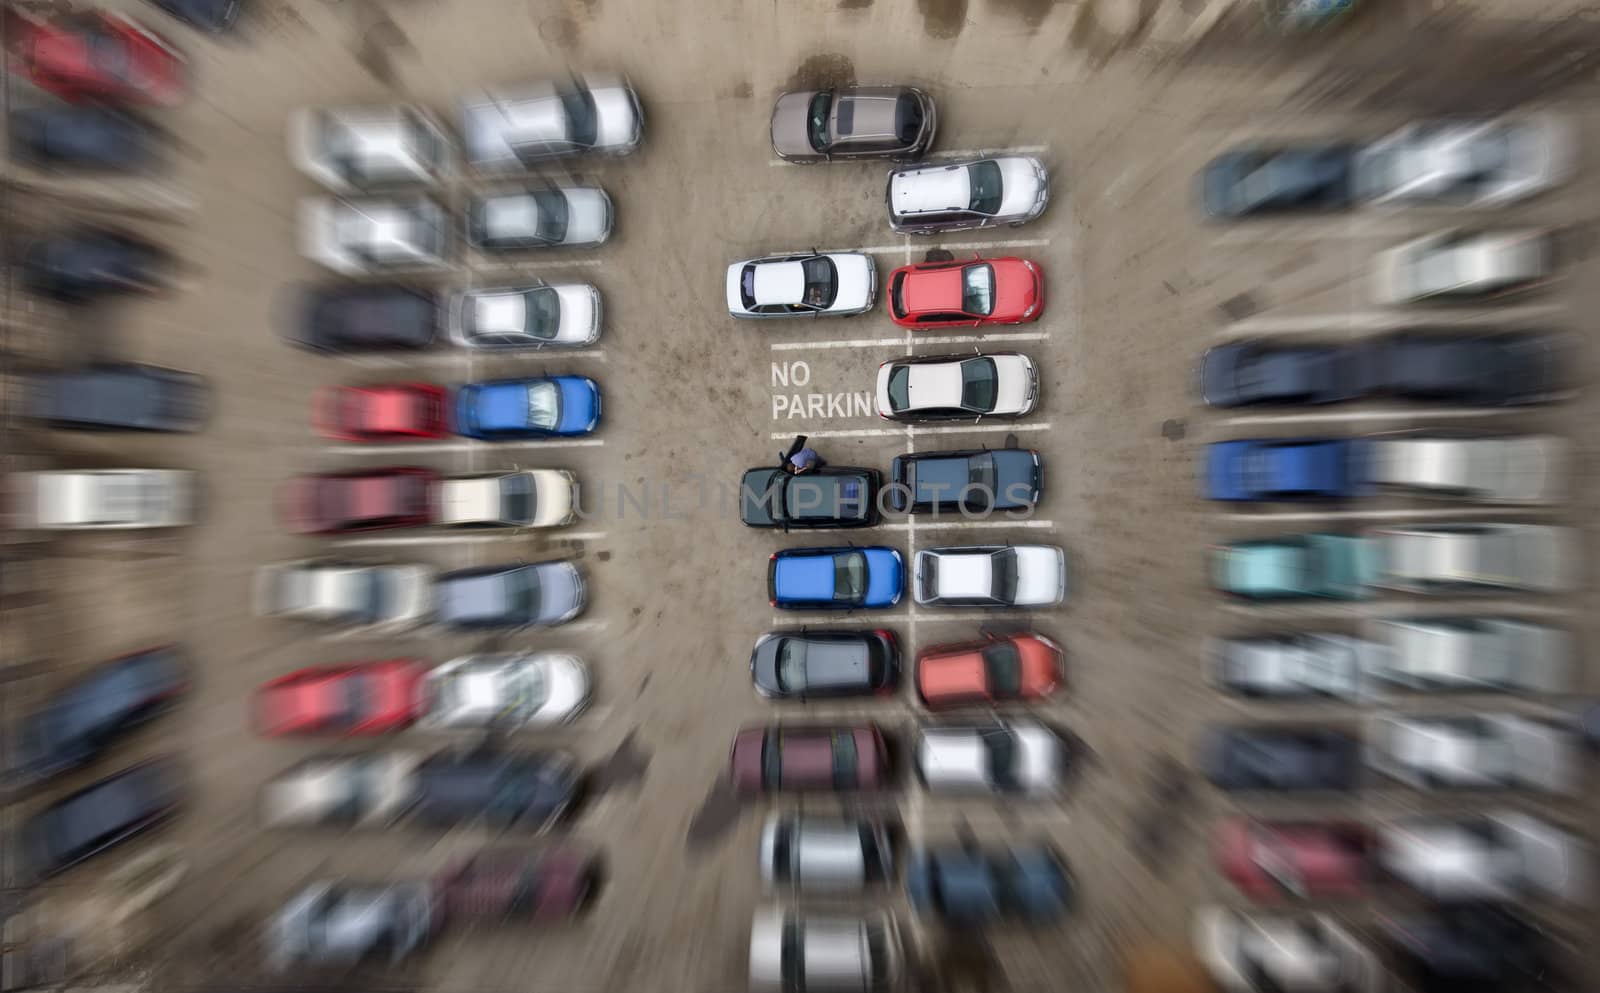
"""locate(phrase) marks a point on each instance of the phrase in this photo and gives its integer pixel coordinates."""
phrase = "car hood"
(764, 662)
(885, 576)
(790, 131)
(1023, 185)
(1039, 757)
(552, 500)
(733, 288)
(566, 685)
(588, 216)
(1015, 393)
(1041, 575)
(761, 496)
(580, 404)
(561, 593)
(858, 281)
(1015, 470)
(617, 120)
(580, 313)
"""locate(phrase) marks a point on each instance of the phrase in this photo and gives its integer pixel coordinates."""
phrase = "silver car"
(556, 217)
(1460, 264)
(359, 148)
(803, 285)
(1245, 951)
(1501, 856)
(519, 125)
(853, 122)
(331, 591)
(371, 790)
(1522, 469)
(1538, 558)
(343, 924)
(1003, 757)
(1299, 665)
(544, 315)
(370, 235)
(1466, 653)
(1469, 163)
(1480, 751)
(825, 854)
(802, 952)
(1009, 189)
(505, 690)
(104, 499)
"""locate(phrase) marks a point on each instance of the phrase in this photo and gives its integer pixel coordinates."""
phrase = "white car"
(1482, 751)
(1520, 469)
(1469, 163)
(1245, 951)
(1462, 264)
(990, 576)
(1479, 654)
(554, 217)
(545, 315)
(795, 951)
(1538, 558)
(105, 499)
(511, 128)
(1003, 757)
(1298, 665)
(358, 148)
(804, 285)
(370, 790)
(526, 498)
(956, 387)
(336, 592)
(1008, 189)
(375, 234)
(509, 690)
(1501, 856)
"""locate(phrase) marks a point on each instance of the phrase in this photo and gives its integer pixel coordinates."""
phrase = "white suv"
(991, 576)
(526, 498)
(507, 690)
(360, 148)
(1009, 189)
(106, 499)
(375, 235)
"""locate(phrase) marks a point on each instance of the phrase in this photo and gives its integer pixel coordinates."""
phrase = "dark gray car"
(119, 397)
(895, 122)
(332, 923)
(518, 595)
(801, 664)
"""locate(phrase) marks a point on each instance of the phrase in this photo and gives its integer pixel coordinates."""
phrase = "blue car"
(540, 407)
(971, 886)
(835, 578)
(1283, 469)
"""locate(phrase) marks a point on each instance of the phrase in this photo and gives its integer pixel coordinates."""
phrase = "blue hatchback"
(1283, 469)
(528, 408)
(835, 578)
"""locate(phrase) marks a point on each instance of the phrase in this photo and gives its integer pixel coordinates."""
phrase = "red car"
(361, 698)
(543, 886)
(966, 294)
(364, 500)
(391, 412)
(1013, 667)
(1308, 860)
(101, 57)
(809, 758)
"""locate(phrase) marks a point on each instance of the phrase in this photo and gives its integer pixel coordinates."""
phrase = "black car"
(368, 318)
(80, 266)
(972, 886)
(87, 137)
(1480, 948)
(101, 816)
(1479, 370)
(122, 396)
(828, 497)
(78, 724)
(215, 16)
(528, 791)
(1277, 180)
(515, 595)
(1242, 373)
(1281, 758)
(976, 481)
(801, 664)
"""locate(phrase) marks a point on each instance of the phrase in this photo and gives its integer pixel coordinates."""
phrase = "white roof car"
(525, 498)
(1464, 653)
(990, 576)
(553, 217)
(1292, 666)
(1467, 163)
(1301, 954)
(1535, 557)
(374, 235)
(1003, 757)
(1502, 856)
(507, 690)
(956, 387)
(793, 951)
(544, 315)
(95, 499)
(509, 128)
(357, 148)
(1462, 263)
(825, 854)
(1520, 469)
(1482, 751)
(1008, 189)
(370, 790)
(337, 592)
(805, 285)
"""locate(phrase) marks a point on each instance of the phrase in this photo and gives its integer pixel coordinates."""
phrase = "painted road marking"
(1385, 320)
(463, 446)
(467, 356)
(955, 521)
(1407, 514)
(1392, 414)
(959, 246)
(927, 339)
(954, 153)
(510, 534)
(912, 431)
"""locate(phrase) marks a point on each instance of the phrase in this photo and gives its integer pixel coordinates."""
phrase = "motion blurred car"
(1507, 469)
(1480, 751)
(1009, 189)
(79, 723)
(526, 498)
(793, 951)
(990, 576)
(81, 138)
(375, 235)
(978, 480)
(83, 264)
(1295, 566)
(386, 412)
(560, 315)
(825, 854)
(826, 497)
(872, 577)
(333, 591)
(1293, 666)
(972, 887)
(1265, 469)
(960, 294)
(841, 759)
(366, 318)
(999, 668)
(350, 149)
(354, 699)
(99, 817)
(539, 407)
(953, 387)
(518, 887)
(1475, 654)
(808, 663)
(1257, 953)
(214, 16)
(1012, 757)
(520, 125)
(1276, 861)
(557, 217)
(1251, 181)
(1478, 948)
(1441, 366)
(1468, 163)
(1243, 373)
(100, 56)
(1442, 558)
(123, 396)
(369, 790)
(508, 596)
(853, 122)
(527, 791)
(1462, 264)
(337, 923)
(360, 500)
(1504, 856)
(106, 499)
(805, 285)
(1280, 757)
(504, 690)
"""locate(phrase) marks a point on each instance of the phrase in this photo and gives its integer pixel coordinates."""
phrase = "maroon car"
(1309, 860)
(809, 758)
(518, 886)
(365, 500)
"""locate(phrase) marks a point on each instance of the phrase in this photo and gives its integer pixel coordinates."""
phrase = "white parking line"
(1406, 514)
(932, 615)
(465, 539)
(960, 246)
(540, 264)
(912, 431)
(1463, 606)
(955, 521)
(925, 339)
(462, 446)
(1350, 416)
(1385, 320)
(954, 153)
(424, 632)
(1385, 226)
(465, 357)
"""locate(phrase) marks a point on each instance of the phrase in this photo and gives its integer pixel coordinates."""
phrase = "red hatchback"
(532, 887)
(809, 758)
(366, 500)
(1014, 667)
(966, 294)
(391, 412)
(361, 698)
(1306, 860)
(101, 57)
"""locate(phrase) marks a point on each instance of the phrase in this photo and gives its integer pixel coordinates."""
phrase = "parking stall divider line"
(911, 341)
(960, 246)
(460, 539)
(954, 153)
(1387, 320)
(912, 431)
(1358, 416)
(462, 446)
(1481, 512)
(964, 522)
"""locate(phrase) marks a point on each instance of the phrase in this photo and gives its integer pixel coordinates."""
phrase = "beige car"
(526, 498)
(105, 499)
(1442, 558)
(1462, 264)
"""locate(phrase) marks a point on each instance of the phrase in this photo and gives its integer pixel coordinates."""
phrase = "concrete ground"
(1138, 287)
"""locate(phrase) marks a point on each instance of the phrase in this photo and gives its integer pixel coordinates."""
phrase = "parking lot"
(1137, 285)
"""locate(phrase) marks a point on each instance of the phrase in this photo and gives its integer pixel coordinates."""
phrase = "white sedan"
(955, 387)
(1479, 751)
(1522, 469)
(1246, 951)
(105, 499)
(804, 285)
(556, 315)
(1002, 757)
(508, 690)
(1465, 653)
(1440, 558)
(991, 576)
(336, 592)
(1502, 856)
(375, 235)
(526, 498)
(1462, 264)
(1470, 163)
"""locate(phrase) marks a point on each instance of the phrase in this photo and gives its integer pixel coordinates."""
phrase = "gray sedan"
(331, 923)
(855, 122)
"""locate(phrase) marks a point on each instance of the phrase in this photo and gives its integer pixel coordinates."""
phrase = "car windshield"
(1003, 665)
(524, 585)
(899, 383)
(817, 120)
(109, 55)
(377, 588)
(822, 283)
(792, 665)
(552, 209)
(581, 117)
(977, 289)
(985, 179)
(1005, 575)
(1002, 749)
(516, 498)
(543, 306)
(979, 384)
(849, 576)
(544, 405)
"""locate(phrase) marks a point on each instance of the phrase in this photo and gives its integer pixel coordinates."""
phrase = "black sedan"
(88, 137)
(122, 396)
(529, 791)
(1281, 758)
(100, 816)
(1276, 180)
(1242, 373)
(1480, 370)
(368, 318)
(82, 265)
(801, 664)
(975, 481)
(829, 497)
(1476, 948)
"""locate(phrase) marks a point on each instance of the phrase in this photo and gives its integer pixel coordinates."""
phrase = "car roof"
(931, 188)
